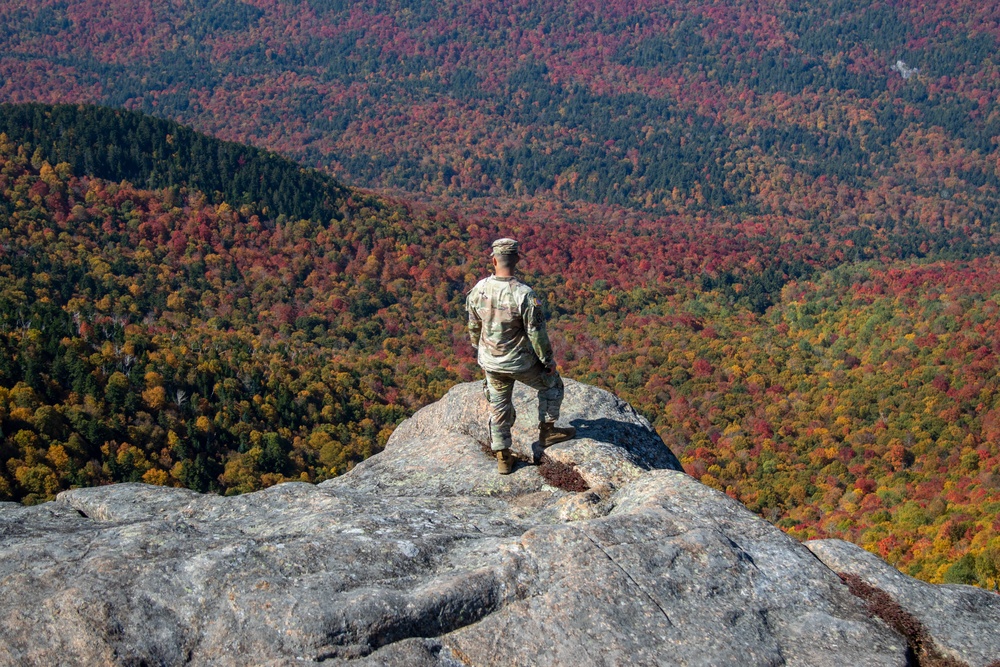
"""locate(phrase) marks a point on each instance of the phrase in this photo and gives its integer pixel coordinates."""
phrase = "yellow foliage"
(240, 474)
(48, 174)
(797, 494)
(38, 479)
(175, 301)
(271, 478)
(24, 414)
(709, 480)
(156, 477)
(117, 381)
(23, 396)
(177, 472)
(58, 457)
(155, 397)
(26, 441)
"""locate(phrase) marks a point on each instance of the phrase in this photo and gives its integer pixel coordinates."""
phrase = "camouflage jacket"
(507, 326)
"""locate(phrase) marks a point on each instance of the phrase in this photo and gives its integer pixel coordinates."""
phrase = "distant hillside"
(796, 109)
(153, 153)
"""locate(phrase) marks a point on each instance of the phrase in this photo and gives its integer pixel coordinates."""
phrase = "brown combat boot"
(505, 462)
(549, 434)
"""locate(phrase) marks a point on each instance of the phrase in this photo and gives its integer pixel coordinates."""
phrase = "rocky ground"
(423, 555)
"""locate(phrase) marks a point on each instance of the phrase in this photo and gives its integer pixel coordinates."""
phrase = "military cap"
(504, 247)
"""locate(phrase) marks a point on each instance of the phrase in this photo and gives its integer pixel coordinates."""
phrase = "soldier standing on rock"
(507, 326)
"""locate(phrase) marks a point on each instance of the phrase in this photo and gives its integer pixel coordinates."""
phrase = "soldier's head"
(505, 255)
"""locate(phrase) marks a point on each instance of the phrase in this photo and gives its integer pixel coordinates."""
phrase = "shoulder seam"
(477, 286)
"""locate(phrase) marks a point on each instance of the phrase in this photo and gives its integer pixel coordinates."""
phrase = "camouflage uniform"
(507, 326)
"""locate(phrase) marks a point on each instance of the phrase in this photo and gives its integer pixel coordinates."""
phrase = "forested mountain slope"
(774, 107)
(155, 153)
(848, 388)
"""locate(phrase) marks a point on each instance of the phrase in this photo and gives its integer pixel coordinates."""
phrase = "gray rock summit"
(423, 555)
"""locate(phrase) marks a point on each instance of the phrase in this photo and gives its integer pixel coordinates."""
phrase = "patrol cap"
(504, 247)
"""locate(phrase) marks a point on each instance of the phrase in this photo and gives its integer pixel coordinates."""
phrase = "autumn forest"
(235, 240)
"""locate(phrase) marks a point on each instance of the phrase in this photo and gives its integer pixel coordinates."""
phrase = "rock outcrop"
(960, 623)
(423, 555)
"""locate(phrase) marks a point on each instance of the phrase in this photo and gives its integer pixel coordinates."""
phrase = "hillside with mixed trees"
(772, 228)
(159, 325)
(769, 108)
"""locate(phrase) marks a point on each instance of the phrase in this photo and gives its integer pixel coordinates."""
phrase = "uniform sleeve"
(534, 326)
(475, 324)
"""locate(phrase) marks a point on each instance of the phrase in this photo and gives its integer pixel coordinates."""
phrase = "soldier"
(507, 326)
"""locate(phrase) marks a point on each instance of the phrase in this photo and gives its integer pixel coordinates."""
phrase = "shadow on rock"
(650, 451)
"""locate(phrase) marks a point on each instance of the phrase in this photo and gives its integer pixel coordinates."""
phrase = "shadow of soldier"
(650, 452)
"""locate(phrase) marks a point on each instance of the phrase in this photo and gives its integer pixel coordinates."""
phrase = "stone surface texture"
(424, 556)
(963, 621)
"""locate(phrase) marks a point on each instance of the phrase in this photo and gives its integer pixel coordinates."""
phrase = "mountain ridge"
(153, 153)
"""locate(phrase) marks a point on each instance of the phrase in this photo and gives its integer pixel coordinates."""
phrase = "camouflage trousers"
(499, 389)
